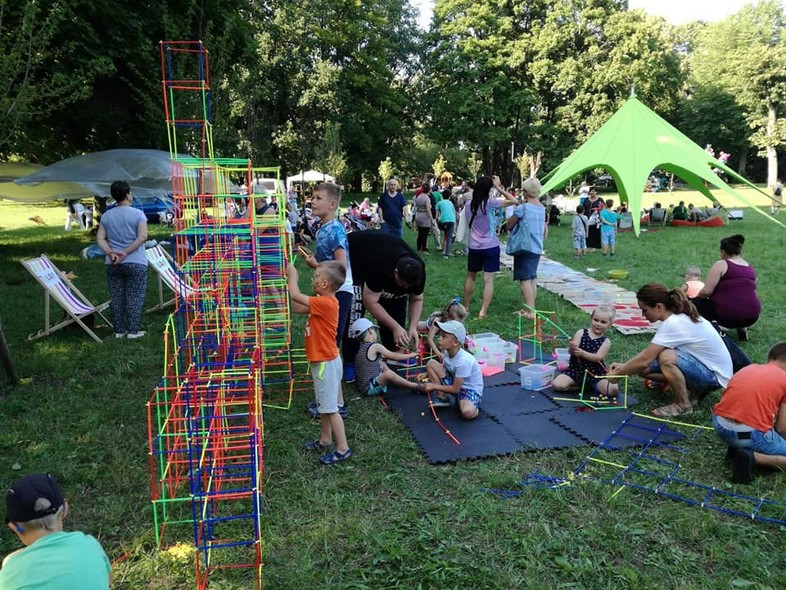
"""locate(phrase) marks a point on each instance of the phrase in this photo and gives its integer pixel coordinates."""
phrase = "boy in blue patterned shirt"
(331, 244)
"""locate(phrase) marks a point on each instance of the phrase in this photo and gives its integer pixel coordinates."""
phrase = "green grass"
(387, 519)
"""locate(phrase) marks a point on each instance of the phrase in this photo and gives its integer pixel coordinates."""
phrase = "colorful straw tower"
(228, 338)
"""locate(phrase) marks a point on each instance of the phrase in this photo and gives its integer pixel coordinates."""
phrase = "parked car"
(156, 209)
(605, 183)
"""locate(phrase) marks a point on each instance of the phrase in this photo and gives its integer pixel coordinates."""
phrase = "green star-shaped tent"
(634, 142)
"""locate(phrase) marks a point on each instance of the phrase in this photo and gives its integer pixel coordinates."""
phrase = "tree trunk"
(743, 161)
(772, 153)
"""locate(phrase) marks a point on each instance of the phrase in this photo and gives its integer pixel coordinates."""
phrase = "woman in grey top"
(121, 235)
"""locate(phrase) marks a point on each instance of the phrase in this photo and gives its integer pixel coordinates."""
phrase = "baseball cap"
(454, 327)
(20, 499)
(359, 327)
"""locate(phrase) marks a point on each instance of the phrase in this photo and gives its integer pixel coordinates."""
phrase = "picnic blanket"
(586, 292)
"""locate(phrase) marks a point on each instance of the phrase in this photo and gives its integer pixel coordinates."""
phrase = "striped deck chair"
(161, 262)
(57, 286)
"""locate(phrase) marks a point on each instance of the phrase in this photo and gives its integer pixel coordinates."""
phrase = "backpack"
(739, 359)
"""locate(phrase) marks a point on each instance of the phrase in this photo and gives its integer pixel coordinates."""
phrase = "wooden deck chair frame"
(57, 286)
(162, 263)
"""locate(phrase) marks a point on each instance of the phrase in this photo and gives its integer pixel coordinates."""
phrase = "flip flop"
(672, 411)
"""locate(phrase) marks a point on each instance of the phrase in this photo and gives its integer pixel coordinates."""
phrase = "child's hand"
(430, 387)
(413, 355)
(304, 252)
(292, 272)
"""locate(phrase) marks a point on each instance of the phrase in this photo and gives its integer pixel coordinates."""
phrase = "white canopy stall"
(309, 176)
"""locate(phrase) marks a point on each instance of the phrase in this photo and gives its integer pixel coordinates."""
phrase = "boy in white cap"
(371, 373)
(51, 559)
(458, 373)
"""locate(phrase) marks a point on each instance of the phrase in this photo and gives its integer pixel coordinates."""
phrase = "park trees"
(740, 61)
(541, 76)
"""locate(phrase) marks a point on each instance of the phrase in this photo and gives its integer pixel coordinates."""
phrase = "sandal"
(335, 457)
(524, 313)
(672, 411)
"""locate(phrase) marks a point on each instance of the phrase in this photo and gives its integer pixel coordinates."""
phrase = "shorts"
(525, 266)
(327, 381)
(698, 377)
(768, 443)
(374, 388)
(608, 237)
(486, 260)
(579, 242)
(464, 393)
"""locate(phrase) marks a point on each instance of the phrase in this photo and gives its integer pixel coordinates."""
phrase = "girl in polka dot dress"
(587, 349)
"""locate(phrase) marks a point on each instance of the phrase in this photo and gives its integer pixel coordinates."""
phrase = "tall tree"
(743, 56)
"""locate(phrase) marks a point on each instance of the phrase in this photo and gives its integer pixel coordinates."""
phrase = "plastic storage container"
(536, 377)
(495, 359)
(562, 356)
(509, 349)
(476, 342)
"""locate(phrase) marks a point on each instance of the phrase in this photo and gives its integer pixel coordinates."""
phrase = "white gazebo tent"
(309, 176)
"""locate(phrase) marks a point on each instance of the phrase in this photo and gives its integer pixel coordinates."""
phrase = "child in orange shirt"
(322, 354)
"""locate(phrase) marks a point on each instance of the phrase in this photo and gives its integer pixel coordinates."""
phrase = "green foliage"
(742, 57)
(386, 169)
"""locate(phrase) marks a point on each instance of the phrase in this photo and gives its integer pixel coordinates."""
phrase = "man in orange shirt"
(322, 354)
(751, 415)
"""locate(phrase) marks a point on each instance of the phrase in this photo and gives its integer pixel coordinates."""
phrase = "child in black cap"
(51, 558)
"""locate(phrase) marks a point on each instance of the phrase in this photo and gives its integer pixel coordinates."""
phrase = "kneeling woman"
(729, 294)
(686, 352)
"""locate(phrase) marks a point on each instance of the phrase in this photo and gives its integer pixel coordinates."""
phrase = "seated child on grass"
(587, 349)
(453, 311)
(693, 283)
(322, 354)
(372, 375)
(458, 373)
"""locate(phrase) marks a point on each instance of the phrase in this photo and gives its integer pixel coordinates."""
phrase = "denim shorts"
(525, 266)
(486, 260)
(768, 443)
(608, 237)
(464, 393)
(697, 376)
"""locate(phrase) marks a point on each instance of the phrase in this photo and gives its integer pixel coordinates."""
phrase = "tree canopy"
(346, 85)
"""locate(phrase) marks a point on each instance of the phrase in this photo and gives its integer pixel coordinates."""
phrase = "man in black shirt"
(387, 274)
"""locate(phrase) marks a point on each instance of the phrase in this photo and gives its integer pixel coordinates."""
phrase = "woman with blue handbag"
(528, 230)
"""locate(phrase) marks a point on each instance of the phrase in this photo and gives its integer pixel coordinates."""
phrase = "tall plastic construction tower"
(228, 340)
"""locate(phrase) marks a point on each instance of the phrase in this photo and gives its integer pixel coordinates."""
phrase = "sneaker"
(446, 257)
(121, 335)
(743, 466)
(335, 457)
(343, 411)
(440, 402)
(349, 373)
(135, 335)
(316, 445)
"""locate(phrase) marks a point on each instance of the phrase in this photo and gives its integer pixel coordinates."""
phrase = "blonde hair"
(693, 271)
(454, 311)
(50, 522)
(607, 309)
(334, 273)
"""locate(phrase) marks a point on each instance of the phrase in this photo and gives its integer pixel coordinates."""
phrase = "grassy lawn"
(387, 519)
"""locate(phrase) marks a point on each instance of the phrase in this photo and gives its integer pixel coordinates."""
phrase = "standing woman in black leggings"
(423, 216)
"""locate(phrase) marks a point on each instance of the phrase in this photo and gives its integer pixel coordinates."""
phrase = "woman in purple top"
(729, 294)
(483, 241)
